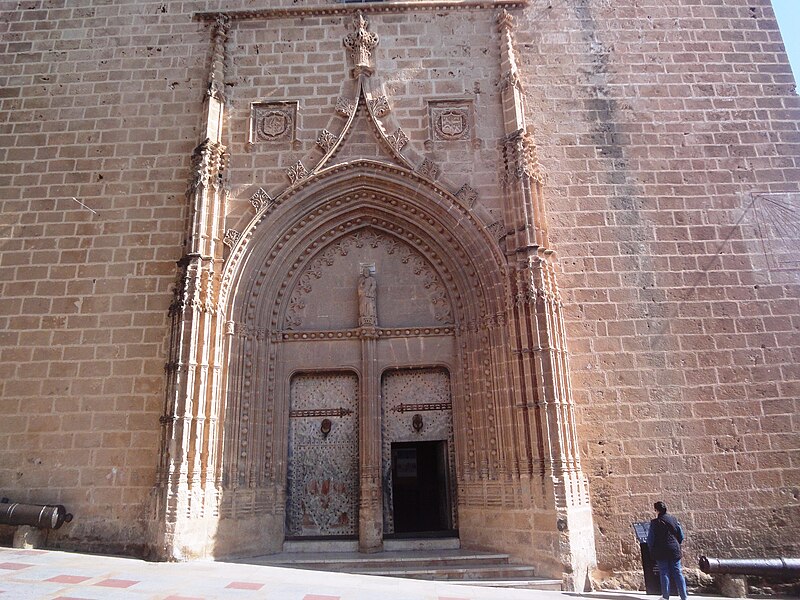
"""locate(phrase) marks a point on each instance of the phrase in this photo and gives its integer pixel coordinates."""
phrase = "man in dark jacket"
(664, 540)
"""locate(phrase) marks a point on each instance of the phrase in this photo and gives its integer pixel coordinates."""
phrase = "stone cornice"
(388, 6)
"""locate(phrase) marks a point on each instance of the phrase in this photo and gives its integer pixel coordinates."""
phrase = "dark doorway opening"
(420, 489)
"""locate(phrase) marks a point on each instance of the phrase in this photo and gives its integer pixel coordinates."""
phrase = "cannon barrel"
(44, 516)
(751, 566)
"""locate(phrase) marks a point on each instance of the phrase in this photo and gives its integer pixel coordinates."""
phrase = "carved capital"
(361, 43)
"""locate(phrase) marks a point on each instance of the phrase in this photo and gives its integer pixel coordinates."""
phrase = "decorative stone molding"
(361, 43)
(208, 163)
(519, 153)
(326, 140)
(511, 79)
(231, 237)
(467, 195)
(398, 139)
(260, 199)
(297, 172)
(428, 169)
(380, 106)
(350, 334)
(345, 107)
(272, 121)
(396, 6)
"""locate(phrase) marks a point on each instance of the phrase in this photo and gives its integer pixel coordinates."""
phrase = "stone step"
(454, 565)
(527, 583)
(451, 572)
(384, 561)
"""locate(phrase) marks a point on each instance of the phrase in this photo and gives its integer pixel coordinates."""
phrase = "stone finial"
(504, 20)
(361, 43)
(217, 75)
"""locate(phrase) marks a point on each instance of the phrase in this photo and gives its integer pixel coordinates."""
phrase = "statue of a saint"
(367, 289)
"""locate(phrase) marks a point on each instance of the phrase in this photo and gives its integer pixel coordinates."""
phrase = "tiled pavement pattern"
(39, 575)
(50, 575)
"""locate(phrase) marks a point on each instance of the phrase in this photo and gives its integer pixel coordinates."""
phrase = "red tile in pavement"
(449, 598)
(68, 579)
(69, 598)
(184, 598)
(244, 585)
(116, 583)
(9, 566)
(317, 597)
(30, 552)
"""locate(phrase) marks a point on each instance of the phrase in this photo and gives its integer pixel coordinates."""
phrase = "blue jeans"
(671, 568)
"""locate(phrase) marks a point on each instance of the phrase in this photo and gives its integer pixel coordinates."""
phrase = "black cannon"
(43, 516)
(763, 567)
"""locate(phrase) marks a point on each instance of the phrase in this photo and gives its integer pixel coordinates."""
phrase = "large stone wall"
(668, 132)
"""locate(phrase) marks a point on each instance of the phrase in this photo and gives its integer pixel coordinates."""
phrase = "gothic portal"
(384, 354)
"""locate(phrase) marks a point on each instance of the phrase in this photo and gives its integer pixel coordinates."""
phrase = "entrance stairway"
(435, 559)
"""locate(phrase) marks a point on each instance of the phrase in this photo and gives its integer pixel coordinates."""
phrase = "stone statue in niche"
(367, 290)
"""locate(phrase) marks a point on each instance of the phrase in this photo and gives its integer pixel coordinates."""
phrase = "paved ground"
(44, 574)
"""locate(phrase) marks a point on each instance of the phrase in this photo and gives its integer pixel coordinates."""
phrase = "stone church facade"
(368, 333)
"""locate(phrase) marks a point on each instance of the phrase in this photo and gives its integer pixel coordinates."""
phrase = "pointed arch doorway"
(355, 343)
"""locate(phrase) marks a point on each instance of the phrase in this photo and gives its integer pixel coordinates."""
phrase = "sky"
(788, 13)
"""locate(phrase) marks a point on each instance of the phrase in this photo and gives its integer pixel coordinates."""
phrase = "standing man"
(664, 540)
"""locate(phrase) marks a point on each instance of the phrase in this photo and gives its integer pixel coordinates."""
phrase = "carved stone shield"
(274, 123)
(452, 123)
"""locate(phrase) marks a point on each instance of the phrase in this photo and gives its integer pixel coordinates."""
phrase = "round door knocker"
(325, 427)
(417, 423)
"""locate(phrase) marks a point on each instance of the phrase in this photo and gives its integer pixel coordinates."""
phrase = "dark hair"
(660, 507)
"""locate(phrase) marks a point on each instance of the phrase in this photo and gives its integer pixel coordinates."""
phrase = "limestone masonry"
(507, 270)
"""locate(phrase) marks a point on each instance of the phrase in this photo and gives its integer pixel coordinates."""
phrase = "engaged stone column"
(370, 514)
